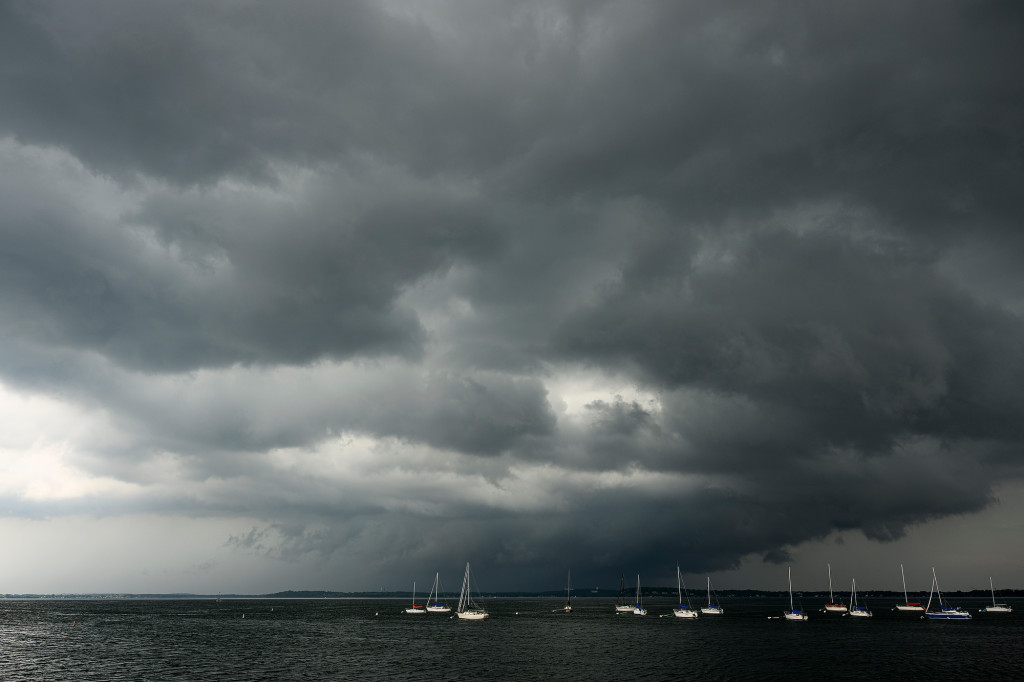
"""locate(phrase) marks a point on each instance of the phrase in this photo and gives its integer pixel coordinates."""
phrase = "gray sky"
(330, 295)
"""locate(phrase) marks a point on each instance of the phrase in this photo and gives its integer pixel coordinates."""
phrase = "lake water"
(325, 639)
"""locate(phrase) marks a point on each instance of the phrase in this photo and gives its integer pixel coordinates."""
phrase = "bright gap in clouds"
(39, 441)
(570, 392)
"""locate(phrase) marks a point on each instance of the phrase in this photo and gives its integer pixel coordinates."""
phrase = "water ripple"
(254, 640)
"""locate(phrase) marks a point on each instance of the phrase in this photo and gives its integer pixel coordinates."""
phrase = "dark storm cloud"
(807, 360)
(242, 228)
(214, 278)
(867, 343)
(190, 94)
(707, 106)
(483, 415)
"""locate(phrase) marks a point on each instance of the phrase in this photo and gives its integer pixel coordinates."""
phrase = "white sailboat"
(713, 608)
(683, 611)
(468, 609)
(793, 614)
(995, 608)
(414, 608)
(856, 611)
(434, 603)
(639, 609)
(831, 606)
(620, 605)
(907, 605)
(945, 612)
(568, 599)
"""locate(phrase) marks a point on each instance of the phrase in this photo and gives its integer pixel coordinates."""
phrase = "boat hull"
(795, 615)
(624, 609)
(684, 613)
(639, 611)
(998, 608)
(439, 609)
(836, 608)
(951, 614)
(712, 610)
(473, 615)
(917, 608)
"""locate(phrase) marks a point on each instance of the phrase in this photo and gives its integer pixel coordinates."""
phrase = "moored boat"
(638, 609)
(414, 608)
(687, 610)
(832, 606)
(855, 610)
(713, 608)
(945, 611)
(468, 609)
(620, 603)
(793, 614)
(908, 605)
(434, 603)
(995, 608)
(568, 595)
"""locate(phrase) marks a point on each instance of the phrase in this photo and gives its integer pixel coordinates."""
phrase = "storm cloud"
(386, 286)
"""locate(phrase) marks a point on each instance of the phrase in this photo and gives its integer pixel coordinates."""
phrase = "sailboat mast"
(992, 590)
(790, 588)
(930, 591)
(831, 600)
(906, 600)
(464, 594)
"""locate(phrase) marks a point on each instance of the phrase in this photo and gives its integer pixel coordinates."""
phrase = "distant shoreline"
(546, 594)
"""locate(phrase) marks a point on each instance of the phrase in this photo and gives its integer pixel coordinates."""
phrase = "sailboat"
(620, 605)
(414, 608)
(831, 606)
(683, 611)
(713, 608)
(434, 605)
(639, 609)
(907, 605)
(469, 609)
(568, 599)
(856, 611)
(793, 614)
(944, 612)
(995, 608)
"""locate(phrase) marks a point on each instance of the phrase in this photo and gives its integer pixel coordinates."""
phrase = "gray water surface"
(321, 639)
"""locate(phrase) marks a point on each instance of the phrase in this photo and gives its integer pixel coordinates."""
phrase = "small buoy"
(73, 623)
(517, 613)
(377, 614)
(243, 615)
